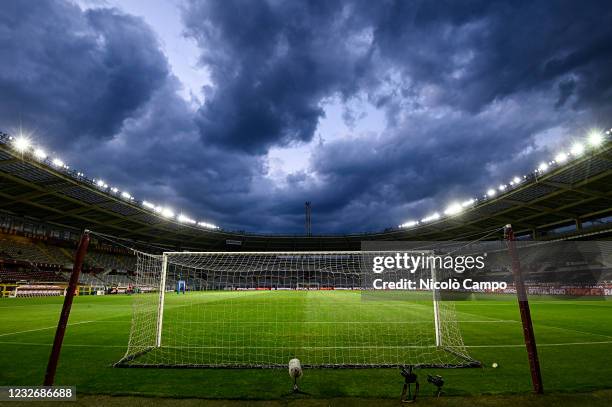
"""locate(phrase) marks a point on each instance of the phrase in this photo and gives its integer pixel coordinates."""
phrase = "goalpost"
(261, 309)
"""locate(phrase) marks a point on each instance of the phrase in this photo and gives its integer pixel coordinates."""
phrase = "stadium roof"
(44, 191)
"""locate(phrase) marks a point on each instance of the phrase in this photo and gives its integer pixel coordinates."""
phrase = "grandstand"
(570, 199)
(45, 206)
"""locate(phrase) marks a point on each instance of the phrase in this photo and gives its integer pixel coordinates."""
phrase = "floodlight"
(185, 219)
(409, 224)
(468, 202)
(595, 138)
(126, 195)
(502, 187)
(208, 225)
(434, 216)
(491, 193)
(167, 213)
(40, 154)
(453, 209)
(516, 180)
(148, 205)
(100, 183)
(21, 144)
(114, 190)
(543, 167)
(561, 158)
(577, 149)
(57, 162)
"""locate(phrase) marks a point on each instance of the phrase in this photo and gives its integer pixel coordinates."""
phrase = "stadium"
(333, 204)
(47, 206)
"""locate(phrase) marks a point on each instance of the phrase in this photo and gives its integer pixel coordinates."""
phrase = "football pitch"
(574, 341)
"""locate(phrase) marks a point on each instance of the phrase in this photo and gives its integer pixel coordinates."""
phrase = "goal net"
(260, 310)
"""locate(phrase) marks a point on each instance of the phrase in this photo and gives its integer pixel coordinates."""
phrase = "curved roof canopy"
(36, 188)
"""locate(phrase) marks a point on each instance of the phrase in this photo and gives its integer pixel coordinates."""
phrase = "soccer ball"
(494, 365)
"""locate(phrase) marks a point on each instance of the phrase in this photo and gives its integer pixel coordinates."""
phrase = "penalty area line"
(43, 329)
(522, 345)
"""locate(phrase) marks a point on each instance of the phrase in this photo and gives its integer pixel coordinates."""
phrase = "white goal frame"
(466, 361)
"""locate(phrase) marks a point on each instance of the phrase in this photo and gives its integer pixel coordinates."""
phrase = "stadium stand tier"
(39, 199)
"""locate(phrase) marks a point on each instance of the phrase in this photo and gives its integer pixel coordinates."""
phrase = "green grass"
(268, 328)
(574, 338)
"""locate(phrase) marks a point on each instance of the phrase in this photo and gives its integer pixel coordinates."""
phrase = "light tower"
(308, 208)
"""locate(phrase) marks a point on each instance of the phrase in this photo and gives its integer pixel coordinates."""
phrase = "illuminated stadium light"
(577, 149)
(409, 224)
(185, 219)
(453, 209)
(40, 154)
(167, 213)
(434, 216)
(101, 184)
(561, 158)
(21, 144)
(595, 138)
(467, 203)
(208, 225)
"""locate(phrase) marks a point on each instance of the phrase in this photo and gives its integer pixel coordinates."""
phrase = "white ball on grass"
(494, 365)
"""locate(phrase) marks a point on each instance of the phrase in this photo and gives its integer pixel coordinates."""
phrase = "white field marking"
(598, 303)
(65, 344)
(315, 347)
(110, 321)
(384, 347)
(45, 328)
(540, 344)
(501, 321)
(457, 312)
(549, 326)
(571, 330)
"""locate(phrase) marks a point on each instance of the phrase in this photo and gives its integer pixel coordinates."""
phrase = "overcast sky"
(237, 112)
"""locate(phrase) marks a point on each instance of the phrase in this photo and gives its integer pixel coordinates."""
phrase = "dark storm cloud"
(272, 65)
(74, 74)
(469, 88)
(473, 92)
(481, 51)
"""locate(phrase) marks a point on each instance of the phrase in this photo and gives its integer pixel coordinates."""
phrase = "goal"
(261, 309)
